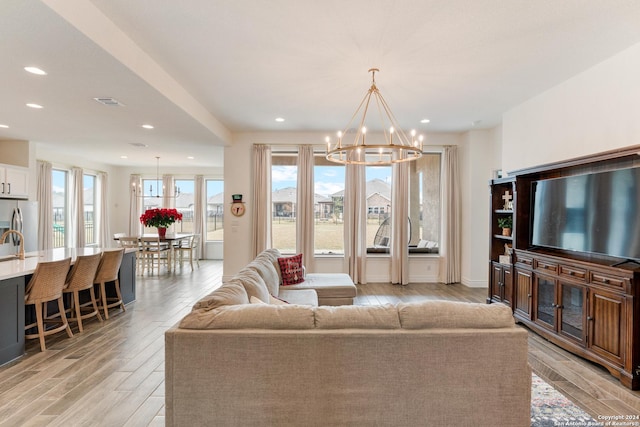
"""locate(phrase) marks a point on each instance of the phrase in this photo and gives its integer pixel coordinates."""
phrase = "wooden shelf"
(501, 237)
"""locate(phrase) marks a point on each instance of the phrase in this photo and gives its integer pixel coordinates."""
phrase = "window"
(378, 202)
(59, 200)
(329, 195)
(184, 203)
(215, 210)
(424, 203)
(284, 180)
(89, 196)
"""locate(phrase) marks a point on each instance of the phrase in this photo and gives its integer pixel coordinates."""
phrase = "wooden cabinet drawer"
(547, 266)
(573, 272)
(605, 279)
(526, 260)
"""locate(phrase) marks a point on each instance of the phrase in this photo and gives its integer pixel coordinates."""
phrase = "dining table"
(173, 240)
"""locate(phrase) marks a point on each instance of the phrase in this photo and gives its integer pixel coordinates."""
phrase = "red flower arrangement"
(160, 217)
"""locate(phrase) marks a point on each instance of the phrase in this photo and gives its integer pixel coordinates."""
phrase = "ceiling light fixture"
(425, 121)
(147, 126)
(279, 119)
(397, 146)
(35, 70)
(36, 106)
(138, 190)
(4, 126)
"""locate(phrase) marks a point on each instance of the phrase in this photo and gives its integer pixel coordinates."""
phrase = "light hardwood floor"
(113, 373)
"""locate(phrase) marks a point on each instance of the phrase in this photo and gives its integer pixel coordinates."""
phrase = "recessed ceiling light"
(4, 126)
(31, 105)
(190, 157)
(123, 157)
(147, 126)
(35, 70)
(425, 121)
(279, 119)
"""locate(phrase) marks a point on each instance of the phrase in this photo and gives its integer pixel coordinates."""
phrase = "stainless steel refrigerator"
(21, 215)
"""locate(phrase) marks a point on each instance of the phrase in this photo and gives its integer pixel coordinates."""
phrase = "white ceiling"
(203, 70)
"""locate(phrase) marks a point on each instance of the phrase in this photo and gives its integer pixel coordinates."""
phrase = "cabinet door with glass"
(572, 303)
(522, 288)
(545, 301)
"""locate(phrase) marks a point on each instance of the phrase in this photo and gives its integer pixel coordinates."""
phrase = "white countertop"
(17, 267)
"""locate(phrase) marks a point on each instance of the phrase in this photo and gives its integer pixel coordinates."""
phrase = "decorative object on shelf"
(237, 206)
(160, 218)
(508, 203)
(139, 191)
(505, 222)
(397, 146)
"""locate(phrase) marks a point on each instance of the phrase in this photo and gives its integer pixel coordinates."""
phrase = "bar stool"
(108, 273)
(46, 285)
(79, 279)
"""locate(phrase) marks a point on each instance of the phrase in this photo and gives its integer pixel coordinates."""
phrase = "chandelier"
(137, 190)
(396, 146)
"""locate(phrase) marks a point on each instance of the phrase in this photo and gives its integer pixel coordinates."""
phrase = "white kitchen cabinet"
(14, 182)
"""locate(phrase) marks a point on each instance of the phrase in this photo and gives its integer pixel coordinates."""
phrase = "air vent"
(109, 101)
(138, 144)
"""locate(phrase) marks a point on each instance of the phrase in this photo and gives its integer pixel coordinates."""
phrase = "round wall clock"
(237, 209)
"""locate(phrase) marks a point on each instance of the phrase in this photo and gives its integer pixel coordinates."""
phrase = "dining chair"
(189, 246)
(132, 242)
(46, 285)
(108, 274)
(153, 252)
(80, 279)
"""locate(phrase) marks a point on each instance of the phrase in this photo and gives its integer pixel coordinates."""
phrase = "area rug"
(549, 408)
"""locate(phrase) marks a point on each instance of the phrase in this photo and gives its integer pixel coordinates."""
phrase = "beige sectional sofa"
(329, 288)
(436, 363)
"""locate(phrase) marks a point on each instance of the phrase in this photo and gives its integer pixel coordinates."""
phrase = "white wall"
(477, 157)
(594, 111)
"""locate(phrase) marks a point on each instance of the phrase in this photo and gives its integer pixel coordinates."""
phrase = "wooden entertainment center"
(588, 304)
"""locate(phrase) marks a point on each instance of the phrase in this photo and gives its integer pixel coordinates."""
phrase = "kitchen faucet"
(21, 250)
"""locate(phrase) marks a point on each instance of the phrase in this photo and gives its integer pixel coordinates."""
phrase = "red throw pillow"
(291, 270)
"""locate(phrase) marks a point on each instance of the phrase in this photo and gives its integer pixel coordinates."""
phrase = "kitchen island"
(15, 274)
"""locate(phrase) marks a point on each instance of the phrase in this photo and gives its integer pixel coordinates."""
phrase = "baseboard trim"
(474, 283)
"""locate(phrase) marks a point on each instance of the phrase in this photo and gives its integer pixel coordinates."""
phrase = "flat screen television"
(596, 213)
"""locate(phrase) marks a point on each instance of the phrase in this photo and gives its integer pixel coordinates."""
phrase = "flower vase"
(162, 231)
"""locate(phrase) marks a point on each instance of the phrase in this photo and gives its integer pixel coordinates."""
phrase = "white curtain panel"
(399, 250)
(135, 205)
(305, 207)
(168, 192)
(103, 230)
(450, 270)
(45, 206)
(261, 200)
(76, 225)
(355, 223)
(200, 212)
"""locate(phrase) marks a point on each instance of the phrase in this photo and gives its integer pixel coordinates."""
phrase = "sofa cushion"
(360, 317)
(299, 296)
(252, 282)
(272, 300)
(454, 314)
(327, 285)
(252, 316)
(268, 272)
(227, 294)
(291, 269)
